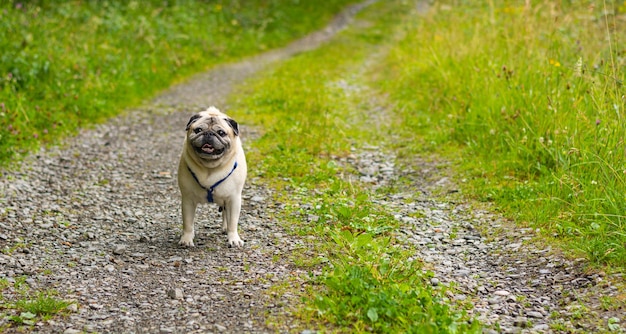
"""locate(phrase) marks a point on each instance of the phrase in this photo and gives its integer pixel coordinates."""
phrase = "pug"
(212, 169)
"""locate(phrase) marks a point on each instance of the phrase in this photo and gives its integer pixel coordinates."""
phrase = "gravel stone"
(535, 314)
(119, 249)
(71, 331)
(175, 294)
(541, 328)
(520, 322)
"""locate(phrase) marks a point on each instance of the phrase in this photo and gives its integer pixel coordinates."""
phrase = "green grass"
(531, 101)
(312, 110)
(68, 64)
(22, 306)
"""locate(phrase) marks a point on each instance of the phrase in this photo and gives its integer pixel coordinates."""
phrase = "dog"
(212, 169)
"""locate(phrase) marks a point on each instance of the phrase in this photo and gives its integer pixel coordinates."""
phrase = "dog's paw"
(186, 241)
(234, 240)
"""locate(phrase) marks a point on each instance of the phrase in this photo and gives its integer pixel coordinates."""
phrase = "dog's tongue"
(208, 148)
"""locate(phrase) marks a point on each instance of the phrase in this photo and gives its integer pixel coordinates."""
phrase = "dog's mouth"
(206, 148)
(209, 149)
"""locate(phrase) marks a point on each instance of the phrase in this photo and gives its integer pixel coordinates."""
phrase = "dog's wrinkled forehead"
(203, 118)
(212, 117)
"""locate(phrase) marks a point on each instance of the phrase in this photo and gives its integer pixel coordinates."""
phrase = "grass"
(312, 110)
(21, 306)
(530, 99)
(68, 64)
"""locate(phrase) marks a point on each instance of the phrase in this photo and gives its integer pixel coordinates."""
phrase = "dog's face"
(210, 135)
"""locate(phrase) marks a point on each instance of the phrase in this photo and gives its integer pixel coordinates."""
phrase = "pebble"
(96, 306)
(72, 307)
(119, 249)
(175, 293)
(460, 297)
(535, 314)
(72, 331)
(520, 322)
(257, 198)
(541, 328)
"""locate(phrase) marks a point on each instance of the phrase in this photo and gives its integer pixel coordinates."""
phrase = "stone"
(520, 322)
(73, 307)
(176, 294)
(72, 331)
(119, 249)
(541, 327)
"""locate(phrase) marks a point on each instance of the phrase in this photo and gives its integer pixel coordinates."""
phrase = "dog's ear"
(191, 120)
(233, 125)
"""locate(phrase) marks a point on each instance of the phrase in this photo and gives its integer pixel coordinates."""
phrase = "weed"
(24, 318)
(613, 324)
(577, 311)
(26, 306)
(558, 326)
(43, 304)
(17, 246)
(609, 303)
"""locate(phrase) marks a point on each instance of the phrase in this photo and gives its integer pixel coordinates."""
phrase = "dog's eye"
(221, 133)
(197, 130)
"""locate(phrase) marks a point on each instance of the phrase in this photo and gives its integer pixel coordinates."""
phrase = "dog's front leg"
(189, 213)
(224, 219)
(230, 220)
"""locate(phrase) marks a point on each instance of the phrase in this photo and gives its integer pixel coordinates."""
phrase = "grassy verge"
(313, 111)
(530, 100)
(67, 64)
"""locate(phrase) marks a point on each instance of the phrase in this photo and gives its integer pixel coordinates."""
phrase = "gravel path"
(99, 219)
